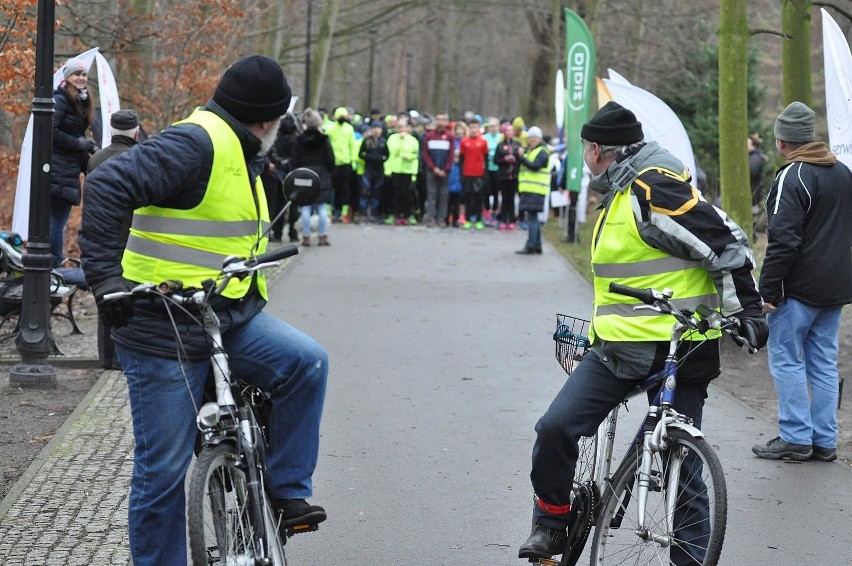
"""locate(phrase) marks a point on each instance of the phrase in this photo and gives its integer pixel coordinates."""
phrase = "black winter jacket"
(809, 254)
(69, 158)
(170, 170)
(313, 150)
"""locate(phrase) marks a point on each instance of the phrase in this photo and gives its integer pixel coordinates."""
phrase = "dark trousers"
(401, 194)
(578, 409)
(492, 191)
(372, 183)
(454, 201)
(474, 192)
(508, 189)
(341, 178)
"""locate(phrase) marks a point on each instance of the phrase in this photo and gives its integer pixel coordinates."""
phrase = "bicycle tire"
(616, 540)
(218, 518)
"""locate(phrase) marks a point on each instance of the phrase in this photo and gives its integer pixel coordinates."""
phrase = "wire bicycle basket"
(572, 340)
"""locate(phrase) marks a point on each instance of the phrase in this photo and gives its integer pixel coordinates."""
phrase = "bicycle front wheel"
(689, 529)
(219, 518)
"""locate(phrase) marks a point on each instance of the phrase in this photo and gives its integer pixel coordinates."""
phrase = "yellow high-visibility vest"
(530, 181)
(189, 245)
(620, 255)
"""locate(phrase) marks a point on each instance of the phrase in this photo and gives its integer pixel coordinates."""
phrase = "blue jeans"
(802, 355)
(322, 219)
(533, 231)
(264, 351)
(60, 211)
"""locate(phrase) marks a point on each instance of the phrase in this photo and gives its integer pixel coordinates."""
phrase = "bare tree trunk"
(796, 51)
(322, 49)
(544, 63)
(733, 111)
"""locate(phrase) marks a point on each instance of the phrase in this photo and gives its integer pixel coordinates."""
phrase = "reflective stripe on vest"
(620, 255)
(530, 181)
(190, 245)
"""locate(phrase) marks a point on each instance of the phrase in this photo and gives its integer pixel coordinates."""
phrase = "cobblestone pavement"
(66, 508)
(70, 506)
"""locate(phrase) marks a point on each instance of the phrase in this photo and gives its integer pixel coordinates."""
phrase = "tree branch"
(757, 31)
(844, 13)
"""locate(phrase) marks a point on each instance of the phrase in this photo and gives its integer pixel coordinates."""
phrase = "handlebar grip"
(644, 295)
(277, 254)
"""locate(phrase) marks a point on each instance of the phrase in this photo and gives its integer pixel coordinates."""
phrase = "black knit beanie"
(254, 89)
(613, 124)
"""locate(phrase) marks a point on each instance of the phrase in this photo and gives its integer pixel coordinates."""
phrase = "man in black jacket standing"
(805, 281)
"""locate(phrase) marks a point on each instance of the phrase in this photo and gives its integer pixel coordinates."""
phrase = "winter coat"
(118, 144)
(507, 170)
(171, 169)
(312, 149)
(70, 157)
(809, 234)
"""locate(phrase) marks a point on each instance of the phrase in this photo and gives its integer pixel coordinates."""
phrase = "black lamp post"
(308, 60)
(408, 81)
(34, 341)
(373, 32)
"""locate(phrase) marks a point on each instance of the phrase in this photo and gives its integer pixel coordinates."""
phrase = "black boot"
(543, 542)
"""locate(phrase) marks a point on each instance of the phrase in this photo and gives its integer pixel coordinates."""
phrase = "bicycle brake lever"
(654, 308)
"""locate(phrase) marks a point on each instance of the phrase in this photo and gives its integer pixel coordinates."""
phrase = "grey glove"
(86, 144)
(115, 312)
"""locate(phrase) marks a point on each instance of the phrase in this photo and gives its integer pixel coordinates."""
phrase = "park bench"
(62, 292)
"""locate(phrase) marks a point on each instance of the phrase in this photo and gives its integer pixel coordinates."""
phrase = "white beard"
(267, 140)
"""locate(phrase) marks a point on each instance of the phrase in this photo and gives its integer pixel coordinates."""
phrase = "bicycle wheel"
(700, 509)
(221, 530)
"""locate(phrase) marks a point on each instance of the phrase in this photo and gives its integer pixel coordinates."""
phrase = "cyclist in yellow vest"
(654, 230)
(195, 197)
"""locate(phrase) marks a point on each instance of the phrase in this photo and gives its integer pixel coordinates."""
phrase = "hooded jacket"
(809, 254)
(68, 159)
(673, 217)
(312, 149)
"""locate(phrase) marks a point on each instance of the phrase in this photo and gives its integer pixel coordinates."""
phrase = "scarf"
(815, 153)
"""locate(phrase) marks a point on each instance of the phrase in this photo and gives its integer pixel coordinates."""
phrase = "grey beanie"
(796, 124)
(73, 65)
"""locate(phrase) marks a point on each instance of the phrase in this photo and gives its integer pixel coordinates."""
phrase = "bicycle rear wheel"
(700, 510)
(221, 529)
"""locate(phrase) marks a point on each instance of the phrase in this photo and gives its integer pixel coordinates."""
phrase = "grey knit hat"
(796, 124)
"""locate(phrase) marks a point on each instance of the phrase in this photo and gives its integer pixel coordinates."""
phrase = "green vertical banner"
(579, 86)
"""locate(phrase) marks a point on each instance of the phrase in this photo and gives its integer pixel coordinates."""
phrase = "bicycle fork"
(647, 481)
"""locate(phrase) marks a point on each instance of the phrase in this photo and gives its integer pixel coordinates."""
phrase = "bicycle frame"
(651, 435)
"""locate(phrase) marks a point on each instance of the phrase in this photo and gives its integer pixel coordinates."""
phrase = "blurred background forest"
(492, 57)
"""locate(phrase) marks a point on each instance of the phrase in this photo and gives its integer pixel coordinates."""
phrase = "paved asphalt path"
(441, 362)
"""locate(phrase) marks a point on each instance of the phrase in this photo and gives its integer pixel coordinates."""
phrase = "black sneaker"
(543, 542)
(778, 449)
(297, 515)
(824, 454)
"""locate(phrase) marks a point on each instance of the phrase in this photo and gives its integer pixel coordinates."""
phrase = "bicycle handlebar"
(232, 266)
(710, 319)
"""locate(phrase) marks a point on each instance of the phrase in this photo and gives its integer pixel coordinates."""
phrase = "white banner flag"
(838, 89)
(659, 122)
(108, 94)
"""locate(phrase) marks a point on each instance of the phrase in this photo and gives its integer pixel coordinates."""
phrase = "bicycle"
(230, 518)
(670, 483)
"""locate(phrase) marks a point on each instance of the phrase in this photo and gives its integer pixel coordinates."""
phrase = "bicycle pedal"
(304, 528)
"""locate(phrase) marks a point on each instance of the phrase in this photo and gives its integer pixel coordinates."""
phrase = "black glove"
(754, 330)
(117, 311)
(87, 144)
